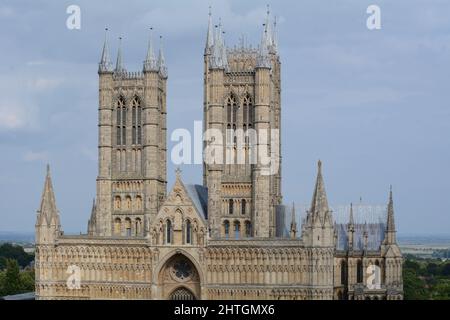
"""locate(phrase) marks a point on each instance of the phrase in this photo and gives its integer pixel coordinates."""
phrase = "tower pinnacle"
(105, 62)
(390, 223)
(119, 62)
(48, 212)
(150, 63)
(293, 230)
(161, 59)
(209, 34)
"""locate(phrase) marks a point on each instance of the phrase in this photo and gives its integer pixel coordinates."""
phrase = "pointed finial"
(209, 34)
(119, 63)
(48, 169)
(293, 211)
(105, 63)
(351, 222)
(293, 229)
(161, 59)
(150, 63)
(275, 35)
(178, 172)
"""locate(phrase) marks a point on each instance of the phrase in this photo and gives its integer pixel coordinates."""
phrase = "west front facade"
(226, 238)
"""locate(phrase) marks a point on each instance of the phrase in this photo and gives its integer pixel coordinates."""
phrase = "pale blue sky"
(373, 105)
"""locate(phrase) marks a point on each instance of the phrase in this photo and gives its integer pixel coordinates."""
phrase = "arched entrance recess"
(179, 279)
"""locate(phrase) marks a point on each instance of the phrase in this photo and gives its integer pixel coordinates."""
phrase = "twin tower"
(241, 91)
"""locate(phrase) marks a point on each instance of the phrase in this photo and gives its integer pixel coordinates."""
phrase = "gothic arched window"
(128, 202)
(343, 272)
(136, 121)
(237, 229)
(138, 226)
(359, 272)
(248, 110)
(117, 203)
(243, 206)
(117, 226)
(226, 228)
(188, 232)
(121, 122)
(248, 229)
(128, 227)
(230, 206)
(168, 231)
(232, 108)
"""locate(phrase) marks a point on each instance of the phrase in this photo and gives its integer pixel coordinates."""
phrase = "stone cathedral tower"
(242, 101)
(131, 183)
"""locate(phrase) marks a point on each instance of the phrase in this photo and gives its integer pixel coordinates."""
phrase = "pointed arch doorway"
(179, 279)
(182, 294)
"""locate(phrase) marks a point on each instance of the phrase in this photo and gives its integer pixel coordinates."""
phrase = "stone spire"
(365, 236)
(93, 219)
(319, 203)
(48, 212)
(105, 64)
(351, 221)
(218, 57)
(161, 60)
(275, 36)
(209, 34)
(119, 62)
(351, 228)
(224, 50)
(293, 230)
(319, 228)
(390, 223)
(263, 58)
(150, 63)
(268, 30)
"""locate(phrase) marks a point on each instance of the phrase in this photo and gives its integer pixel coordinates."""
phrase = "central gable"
(182, 217)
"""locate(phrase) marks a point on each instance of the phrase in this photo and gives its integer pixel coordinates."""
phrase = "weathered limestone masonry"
(225, 239)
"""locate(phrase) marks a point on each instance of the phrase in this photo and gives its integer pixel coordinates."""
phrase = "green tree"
(432, 269)
(413, 286)
(27, 280)
(11, 280)
(446, 270)
(9, 251)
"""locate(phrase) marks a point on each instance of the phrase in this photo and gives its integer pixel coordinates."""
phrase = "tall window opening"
(237, 229)
(226, 228)
(230, 206)
(136, 121)
(128, 227)
(359, 272)
(121, 122)
(188, 232)
(168, 231)
(248, 229)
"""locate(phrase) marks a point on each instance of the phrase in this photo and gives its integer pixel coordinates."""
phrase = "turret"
(319, 221)
(351, 229)
(209, 35)
(105, 65)
(150, 63)
(47, 223)
(162, 60)
(92, 223)
(293, 229)
(120, 69)
(390, 237)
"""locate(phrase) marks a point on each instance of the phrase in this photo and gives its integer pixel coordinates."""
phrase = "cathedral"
(229, 238)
